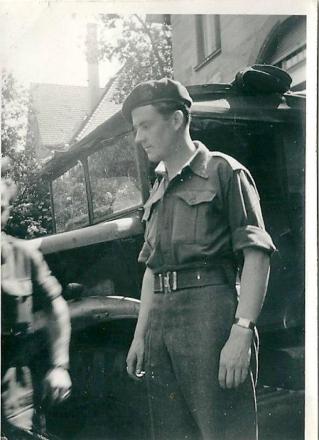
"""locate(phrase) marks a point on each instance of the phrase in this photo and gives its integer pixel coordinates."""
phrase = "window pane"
(70, 202)
(208, 35)
(114, 178)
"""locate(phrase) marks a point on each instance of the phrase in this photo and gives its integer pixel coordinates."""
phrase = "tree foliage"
(30, 213)
(144, 50)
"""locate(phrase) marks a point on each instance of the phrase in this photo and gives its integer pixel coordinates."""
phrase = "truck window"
(114, 179)
(69, 200)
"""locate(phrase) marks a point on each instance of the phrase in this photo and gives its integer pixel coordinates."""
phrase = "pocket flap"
(196, 197)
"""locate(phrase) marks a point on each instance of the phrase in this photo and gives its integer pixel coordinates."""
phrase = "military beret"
(150, 92)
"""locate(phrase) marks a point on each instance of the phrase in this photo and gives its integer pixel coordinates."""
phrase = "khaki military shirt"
(26, 285)
(208, 212)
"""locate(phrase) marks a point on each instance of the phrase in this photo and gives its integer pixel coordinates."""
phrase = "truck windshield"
(114, 178)
(69, 198)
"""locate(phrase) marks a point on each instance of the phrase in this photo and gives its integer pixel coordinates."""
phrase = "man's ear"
(178, 119)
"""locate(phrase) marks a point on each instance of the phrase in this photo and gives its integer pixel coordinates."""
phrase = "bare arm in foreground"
(235, 355)
(57, 382)
(135, 355)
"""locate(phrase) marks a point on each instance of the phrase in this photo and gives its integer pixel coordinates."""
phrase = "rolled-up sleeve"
(144, 253)
(245, 216)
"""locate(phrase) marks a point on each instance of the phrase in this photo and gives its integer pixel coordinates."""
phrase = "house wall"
(242, 39)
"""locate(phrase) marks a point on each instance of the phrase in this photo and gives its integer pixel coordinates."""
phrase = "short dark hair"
(166, 108)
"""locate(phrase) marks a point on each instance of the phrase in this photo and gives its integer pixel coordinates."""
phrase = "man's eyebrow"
(138, 124)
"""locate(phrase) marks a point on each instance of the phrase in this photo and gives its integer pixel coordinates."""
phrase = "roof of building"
(60, 110)
(63, 112)
(104, 110)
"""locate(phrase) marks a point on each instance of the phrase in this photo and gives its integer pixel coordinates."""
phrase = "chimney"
(93, 66)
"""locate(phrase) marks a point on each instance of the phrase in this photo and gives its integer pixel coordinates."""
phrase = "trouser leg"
(188, 331)
(16, 385)
(198, 326)
(170, 418)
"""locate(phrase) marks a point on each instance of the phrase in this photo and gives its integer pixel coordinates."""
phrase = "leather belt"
(168, 282)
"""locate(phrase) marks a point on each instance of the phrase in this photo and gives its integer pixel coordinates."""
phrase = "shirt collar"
(197, 162)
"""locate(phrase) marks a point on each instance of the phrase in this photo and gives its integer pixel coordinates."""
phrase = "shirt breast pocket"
(192, 219)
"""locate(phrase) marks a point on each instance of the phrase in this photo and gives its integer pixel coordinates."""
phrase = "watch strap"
(63, 365)
(245, 323)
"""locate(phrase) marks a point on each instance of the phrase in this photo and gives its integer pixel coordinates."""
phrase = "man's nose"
(138, 136)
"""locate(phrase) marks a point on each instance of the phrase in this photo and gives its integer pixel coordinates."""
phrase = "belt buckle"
(170, 281)
(160, 277)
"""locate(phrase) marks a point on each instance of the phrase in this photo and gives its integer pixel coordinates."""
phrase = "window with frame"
(208, 38)
(114, 179)
(70, 200)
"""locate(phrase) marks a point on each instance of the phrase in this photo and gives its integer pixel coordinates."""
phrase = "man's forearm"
(59, 330)
(146, 302)
(253, 284)
(235, 355)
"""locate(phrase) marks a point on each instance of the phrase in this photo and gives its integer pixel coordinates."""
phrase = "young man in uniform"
(23, 268)
(193, 336)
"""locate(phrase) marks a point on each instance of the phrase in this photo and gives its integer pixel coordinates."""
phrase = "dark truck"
(98, 188)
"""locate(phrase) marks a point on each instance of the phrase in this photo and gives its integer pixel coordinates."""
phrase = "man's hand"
(135, 358)
(235, 358)
(57, 385)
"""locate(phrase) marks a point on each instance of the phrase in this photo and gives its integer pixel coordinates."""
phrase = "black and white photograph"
(159, 220)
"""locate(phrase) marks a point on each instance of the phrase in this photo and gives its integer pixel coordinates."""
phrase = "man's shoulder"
(25, 247)
(224, 160)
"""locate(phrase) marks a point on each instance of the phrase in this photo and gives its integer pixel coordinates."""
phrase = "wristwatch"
(245, 323)
(63, 365)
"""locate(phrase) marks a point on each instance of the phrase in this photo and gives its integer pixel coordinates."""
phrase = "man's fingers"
(244, 374)
(135, 358)
(131, 366)
(238, 374)
(232, 377)
(230, 380)
(131, 370)
(55, 394)
(222, 376)
(139, 364)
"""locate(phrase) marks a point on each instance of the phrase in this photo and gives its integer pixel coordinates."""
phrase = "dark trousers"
(21, 387)
(188, 329)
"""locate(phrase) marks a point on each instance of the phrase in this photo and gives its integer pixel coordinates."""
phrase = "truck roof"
(211, 102)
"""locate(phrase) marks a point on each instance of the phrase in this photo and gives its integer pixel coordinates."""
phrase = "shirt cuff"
(252, 236)
(145, 253)
(52, 287)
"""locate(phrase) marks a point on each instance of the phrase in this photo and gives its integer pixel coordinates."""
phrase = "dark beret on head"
(150, 92)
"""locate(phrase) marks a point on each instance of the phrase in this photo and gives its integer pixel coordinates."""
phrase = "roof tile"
(60, 110)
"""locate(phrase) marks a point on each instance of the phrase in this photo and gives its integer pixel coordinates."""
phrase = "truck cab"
(98, 188)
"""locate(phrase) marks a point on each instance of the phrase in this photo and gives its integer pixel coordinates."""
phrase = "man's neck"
(181, 153)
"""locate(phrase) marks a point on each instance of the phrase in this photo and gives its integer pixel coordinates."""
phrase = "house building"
(63, 114)
(213, 48)
(206, 49)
